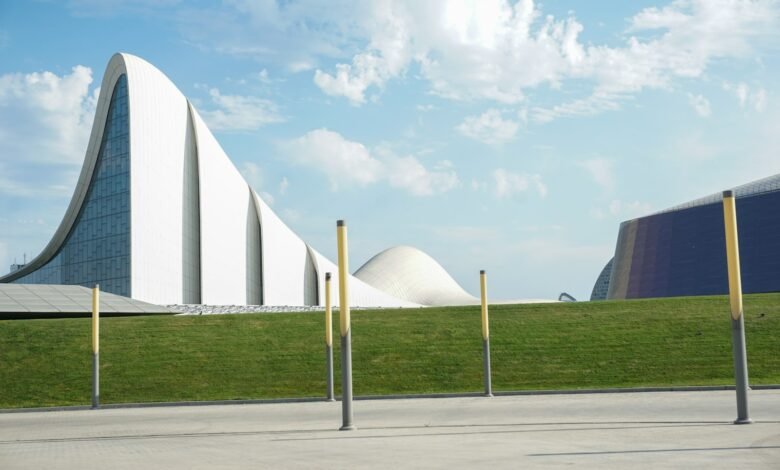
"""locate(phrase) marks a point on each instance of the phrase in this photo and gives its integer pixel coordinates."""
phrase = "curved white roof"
(410, 274)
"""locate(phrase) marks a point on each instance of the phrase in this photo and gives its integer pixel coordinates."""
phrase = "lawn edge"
(112, 406)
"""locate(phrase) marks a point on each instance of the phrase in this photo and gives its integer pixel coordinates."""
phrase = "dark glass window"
(601, 287)
(97, 249)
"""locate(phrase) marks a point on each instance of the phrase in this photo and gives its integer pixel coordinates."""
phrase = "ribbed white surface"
(409, 274)
(284, 260)
(158, 126)
(224, 205)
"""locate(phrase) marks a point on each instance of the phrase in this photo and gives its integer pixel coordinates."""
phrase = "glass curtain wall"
(97, 249)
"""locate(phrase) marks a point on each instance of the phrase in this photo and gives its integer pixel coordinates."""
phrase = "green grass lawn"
(662, 342)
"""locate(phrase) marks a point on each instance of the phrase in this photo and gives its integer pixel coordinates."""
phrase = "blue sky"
(507, 136)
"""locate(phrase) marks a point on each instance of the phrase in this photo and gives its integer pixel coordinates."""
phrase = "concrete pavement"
(641, 430)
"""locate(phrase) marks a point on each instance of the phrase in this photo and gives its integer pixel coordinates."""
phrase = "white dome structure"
(412, 275)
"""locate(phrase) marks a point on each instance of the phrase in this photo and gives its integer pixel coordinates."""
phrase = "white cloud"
(700, 104)
(464, 49)
(741, 90)
(489, 127)
(601, 170)
(46, 117)
(267, 197)
(496, 50)
(541, 188)
(465, 233)
(263, 77)
(409, 174)
(348, 163)
(761, 156)
(695, 146)
(621, 210)
(755, 98)
(547, 250)
(759, 100)
(387, 56)
(343, 161)
(507, 184)
(599, 102)
(295, 35)
(283, 185)
(292, 215)
(300, 66)
(253, 174)
(240, 113)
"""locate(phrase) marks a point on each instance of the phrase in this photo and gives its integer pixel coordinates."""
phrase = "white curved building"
(160, 214)
(409, 274)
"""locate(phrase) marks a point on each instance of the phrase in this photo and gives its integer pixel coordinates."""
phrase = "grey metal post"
(329, 369)
(740, 369)
(346, 383)
(486, 366)
(95, 380)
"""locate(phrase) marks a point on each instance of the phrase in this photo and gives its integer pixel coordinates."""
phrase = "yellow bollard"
(732, 254)
(483, 296)
(485, 334)
(328, 340)
(735, 299)
(96, 347)
(346, 334)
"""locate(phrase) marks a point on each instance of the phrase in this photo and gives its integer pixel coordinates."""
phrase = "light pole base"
(350, 427)
(743, 421)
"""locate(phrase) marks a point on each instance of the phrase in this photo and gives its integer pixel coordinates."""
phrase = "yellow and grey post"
(737, 317)
(346, 333)
(328, 340)
(485, 334)
(96, 346)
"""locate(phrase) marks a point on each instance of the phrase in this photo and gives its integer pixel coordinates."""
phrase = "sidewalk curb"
(113, 406)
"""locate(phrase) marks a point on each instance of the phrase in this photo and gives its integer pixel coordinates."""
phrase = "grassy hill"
(660, 342)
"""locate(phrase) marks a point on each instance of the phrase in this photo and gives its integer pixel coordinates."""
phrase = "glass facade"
(601, 286)
(97, 249)
(683, 252)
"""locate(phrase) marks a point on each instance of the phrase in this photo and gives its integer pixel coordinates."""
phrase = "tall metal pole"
(328, 340)
(485, 334)
(96, 347)
(737, 317)
(346, 333)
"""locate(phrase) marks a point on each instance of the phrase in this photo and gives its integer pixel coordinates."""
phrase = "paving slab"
(622, 430)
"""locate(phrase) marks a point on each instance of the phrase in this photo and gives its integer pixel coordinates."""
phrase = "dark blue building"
(681, 251)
